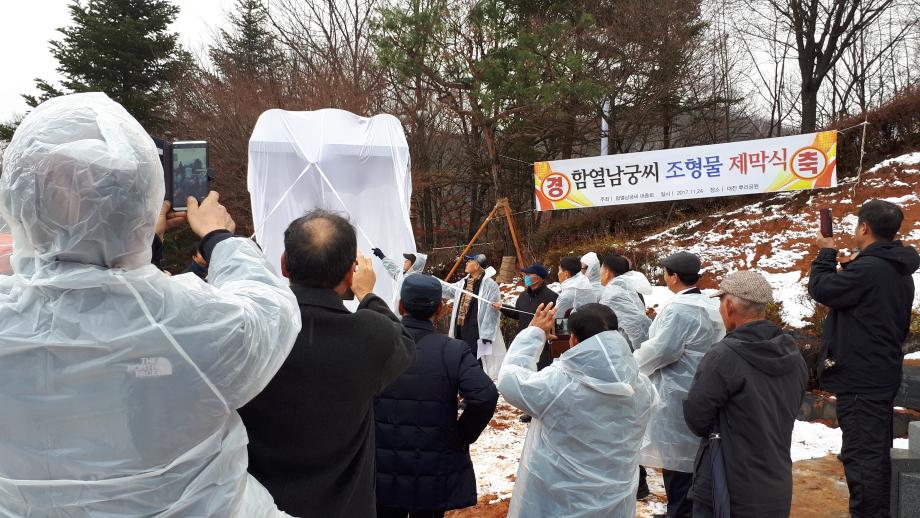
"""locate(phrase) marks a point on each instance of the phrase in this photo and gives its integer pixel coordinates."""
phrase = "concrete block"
(909, 498)
(913, 437)
(905, 483)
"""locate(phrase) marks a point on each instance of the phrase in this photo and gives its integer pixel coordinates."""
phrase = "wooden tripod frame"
(500, 205)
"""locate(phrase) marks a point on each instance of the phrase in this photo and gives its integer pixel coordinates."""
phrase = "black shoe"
(642, 492)
(525, 418)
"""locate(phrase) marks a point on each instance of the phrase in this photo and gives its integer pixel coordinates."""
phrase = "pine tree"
(249, 47)
(121, 48)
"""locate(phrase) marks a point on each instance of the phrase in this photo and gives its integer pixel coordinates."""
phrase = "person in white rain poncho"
(118, 384)
(414, 262)
(576, 288)
(472, 319)
(591, 268)
(619, 296)
(590, 409)
(680, 336)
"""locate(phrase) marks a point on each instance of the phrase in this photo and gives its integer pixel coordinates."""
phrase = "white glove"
(483, 348)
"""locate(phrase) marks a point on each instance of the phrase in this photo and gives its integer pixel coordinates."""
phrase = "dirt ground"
(819, 491)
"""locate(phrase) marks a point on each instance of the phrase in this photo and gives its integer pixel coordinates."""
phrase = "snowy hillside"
(777, 236)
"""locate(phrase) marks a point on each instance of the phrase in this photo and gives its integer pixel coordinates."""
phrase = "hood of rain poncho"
(418, 265)
(638, 281)
(594, 267)
(82, 183)
(604, 363)
(590, 410)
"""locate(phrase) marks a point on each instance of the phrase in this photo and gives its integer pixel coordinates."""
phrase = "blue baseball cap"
(537, 269)
(420, 291)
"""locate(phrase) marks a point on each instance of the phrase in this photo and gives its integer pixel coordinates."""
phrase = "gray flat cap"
(746, 285)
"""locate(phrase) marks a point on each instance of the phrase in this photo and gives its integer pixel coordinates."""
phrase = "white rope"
(451, 286)
(862, 153)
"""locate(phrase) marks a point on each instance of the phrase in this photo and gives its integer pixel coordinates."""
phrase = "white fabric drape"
(333, 160)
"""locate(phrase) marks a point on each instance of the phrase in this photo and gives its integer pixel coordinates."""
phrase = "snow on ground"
(814, 440)
(497, 451)
(905, 160)
(791, 291)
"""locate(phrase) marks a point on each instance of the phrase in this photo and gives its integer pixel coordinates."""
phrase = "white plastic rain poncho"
(593, 273)
(680, 336)
(576, 292)
(118, 384)
(334, 160)
(486, 318)
(619, 296)
(590, 409)
(396, 272)
(638, 282)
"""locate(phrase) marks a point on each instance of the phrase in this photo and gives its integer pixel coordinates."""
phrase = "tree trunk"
(809, 106)
(427, 218)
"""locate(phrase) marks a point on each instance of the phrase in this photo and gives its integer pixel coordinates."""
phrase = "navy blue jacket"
(423, 459)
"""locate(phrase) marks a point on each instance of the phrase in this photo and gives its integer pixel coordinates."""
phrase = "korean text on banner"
(755, 166)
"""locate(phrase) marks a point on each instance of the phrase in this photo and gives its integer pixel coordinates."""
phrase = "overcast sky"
(27, 25)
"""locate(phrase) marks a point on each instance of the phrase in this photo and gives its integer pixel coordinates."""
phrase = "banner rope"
(862, 154)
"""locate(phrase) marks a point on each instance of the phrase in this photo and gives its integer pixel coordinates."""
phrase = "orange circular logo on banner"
(556, 187)
(808, 163)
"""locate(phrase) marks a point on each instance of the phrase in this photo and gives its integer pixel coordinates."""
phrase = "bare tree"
(823, 31)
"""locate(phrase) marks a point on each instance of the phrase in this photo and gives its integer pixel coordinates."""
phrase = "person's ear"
(402, 309)
(349, 275)
(284, 270)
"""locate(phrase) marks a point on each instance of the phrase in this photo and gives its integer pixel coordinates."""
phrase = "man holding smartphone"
(870, 302)
(311, 431)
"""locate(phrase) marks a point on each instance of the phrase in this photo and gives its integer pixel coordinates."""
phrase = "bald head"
(320, 249)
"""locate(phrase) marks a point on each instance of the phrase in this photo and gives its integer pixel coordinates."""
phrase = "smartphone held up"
(186, 171)
(827, 223)
(189, 173)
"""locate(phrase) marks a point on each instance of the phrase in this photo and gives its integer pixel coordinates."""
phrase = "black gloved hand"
(378, 253)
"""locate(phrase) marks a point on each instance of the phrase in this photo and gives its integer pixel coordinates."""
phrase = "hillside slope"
(777, 236)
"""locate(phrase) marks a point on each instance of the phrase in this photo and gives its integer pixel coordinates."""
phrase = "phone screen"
(562, 327)
(189, 172)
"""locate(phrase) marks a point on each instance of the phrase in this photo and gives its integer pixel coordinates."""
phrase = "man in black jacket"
(423, 459)
(311, 431)
(536, 293)
(870, 301)
(748, 388)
